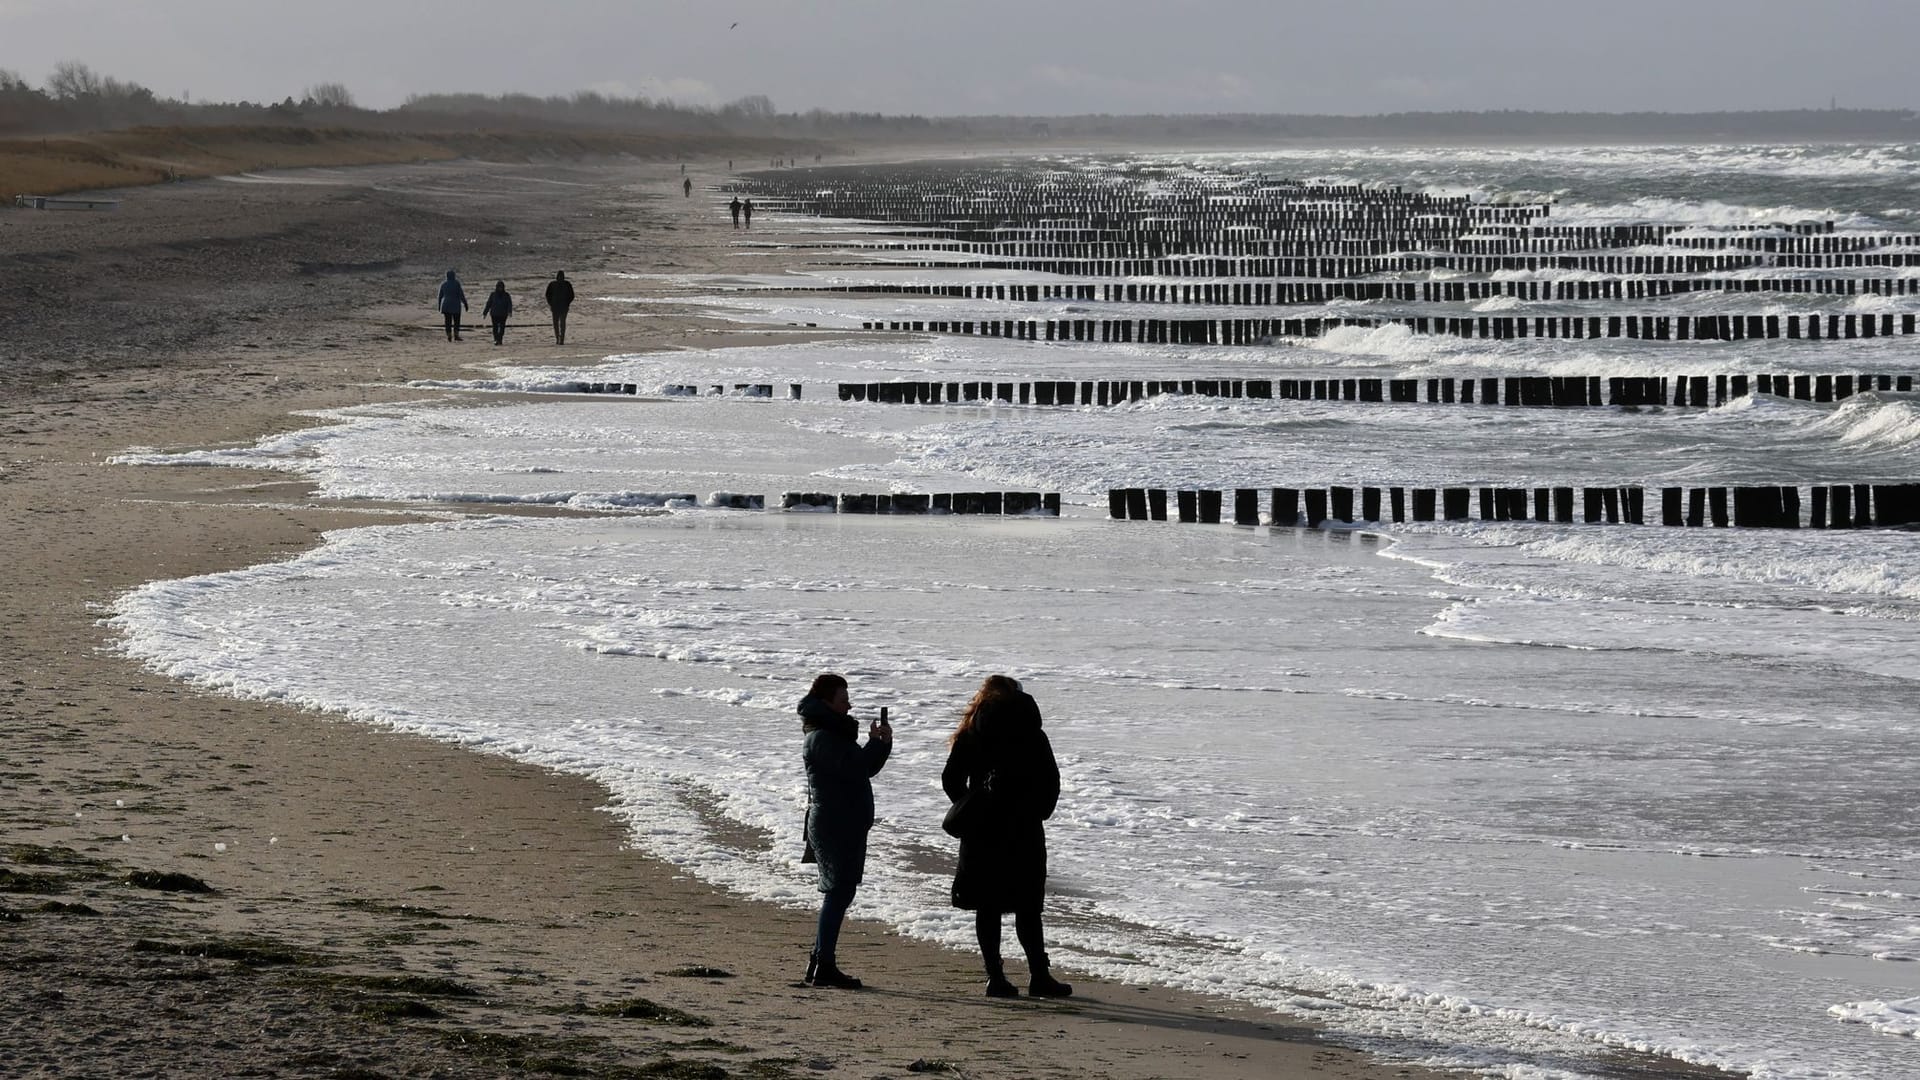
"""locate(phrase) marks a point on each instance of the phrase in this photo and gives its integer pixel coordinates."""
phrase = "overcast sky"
(943, 57)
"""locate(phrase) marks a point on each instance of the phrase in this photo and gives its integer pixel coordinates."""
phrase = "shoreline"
(389, 854)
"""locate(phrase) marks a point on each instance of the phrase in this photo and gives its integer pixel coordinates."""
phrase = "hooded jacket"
(453, 299)
(839, 791)
(499, 305)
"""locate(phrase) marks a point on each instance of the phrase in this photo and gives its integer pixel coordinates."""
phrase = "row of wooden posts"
(1295, 258)
(1524, 390)
(1490, 327)
(752, 390)
(1206, 266)
(1002, 503)
(1156, 239)
(1830, 506)
(1135, 218)
(1002, 195)
(1436, 237)
(1273, 293)
(1546, 391)
(991, 198)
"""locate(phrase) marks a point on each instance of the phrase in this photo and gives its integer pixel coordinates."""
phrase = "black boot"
(997, 984)
(1042, 984)
(829, 977)
(813, 967)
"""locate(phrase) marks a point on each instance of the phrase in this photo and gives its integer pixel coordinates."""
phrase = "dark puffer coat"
(499, 305)
(839, 792)
(1003, 862)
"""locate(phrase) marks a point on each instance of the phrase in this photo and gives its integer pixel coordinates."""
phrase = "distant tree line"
(590, 109)
(77, 98)
(752, 115)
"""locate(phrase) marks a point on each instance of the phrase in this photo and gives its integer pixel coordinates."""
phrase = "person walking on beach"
(499, 306)
(839, 812)
(559, 299)
(1000, 760)
(734, 206)
(746, 209)
(687, 186)
(452, 301)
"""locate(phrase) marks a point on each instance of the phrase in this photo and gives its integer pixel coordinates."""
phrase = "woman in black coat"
(839, 811)
(1001, 758)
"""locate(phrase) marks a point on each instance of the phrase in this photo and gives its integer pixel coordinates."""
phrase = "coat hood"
(816, 715)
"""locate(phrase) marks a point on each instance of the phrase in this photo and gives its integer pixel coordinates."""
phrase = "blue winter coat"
(839, 792)
(499, 306)
(453, 299)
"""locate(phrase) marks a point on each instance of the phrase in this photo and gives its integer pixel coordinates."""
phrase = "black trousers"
(560, 326)
(499, 331)
(1026, 925)
(453, 324)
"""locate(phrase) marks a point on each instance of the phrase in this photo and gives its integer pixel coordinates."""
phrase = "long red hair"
(996, 688)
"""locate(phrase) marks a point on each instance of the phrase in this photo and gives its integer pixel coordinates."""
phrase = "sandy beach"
(381, 905)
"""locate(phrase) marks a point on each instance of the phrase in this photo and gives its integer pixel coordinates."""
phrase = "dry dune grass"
(59, 164)
(50, 166)
(37, 172)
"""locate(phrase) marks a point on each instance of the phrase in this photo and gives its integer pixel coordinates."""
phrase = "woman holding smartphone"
(1001, 758)
(839, 811)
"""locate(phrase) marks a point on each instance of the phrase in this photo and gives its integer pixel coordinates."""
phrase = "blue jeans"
(833, 912)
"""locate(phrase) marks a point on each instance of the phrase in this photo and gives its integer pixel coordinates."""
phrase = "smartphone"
(883, 714)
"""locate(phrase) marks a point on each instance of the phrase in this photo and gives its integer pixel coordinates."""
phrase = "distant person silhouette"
(734, 206)
(746, 209)
(1000, 757)
(687, 186)
(452, 301)
(559, 299)
(499, 306)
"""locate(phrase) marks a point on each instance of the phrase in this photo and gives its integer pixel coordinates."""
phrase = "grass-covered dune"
(57, 164)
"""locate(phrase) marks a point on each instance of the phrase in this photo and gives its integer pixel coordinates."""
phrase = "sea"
(1519, 798)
